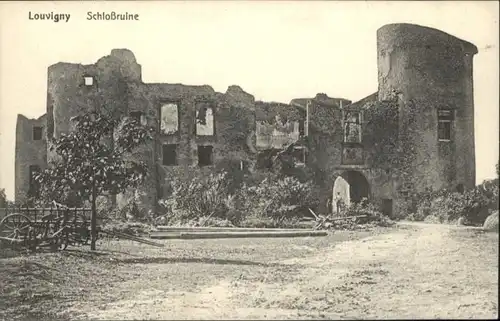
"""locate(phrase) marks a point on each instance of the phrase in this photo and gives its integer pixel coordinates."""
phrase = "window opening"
(445, 118)
(169, 119)
(37, 133)
(139, 116)
(169, 155)
(205, 155)
(204, 120)
(89, 80)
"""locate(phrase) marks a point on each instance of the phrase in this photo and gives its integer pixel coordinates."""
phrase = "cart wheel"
(16, 227)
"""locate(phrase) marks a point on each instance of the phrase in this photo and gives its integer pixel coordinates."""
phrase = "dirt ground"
(412, 271)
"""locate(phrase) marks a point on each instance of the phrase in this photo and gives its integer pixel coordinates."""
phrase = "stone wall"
(377, 146)
(233, 124)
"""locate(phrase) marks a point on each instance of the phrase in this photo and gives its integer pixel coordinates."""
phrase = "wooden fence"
(36, 213)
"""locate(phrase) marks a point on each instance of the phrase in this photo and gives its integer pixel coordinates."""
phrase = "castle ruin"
(415, 132)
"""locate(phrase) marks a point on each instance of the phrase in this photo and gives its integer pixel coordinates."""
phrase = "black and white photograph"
(249, 160)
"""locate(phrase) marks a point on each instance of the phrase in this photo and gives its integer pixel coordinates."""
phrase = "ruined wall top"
(21, 117)
(364, 101)
(120, 61)
(322, 99)
(124, 54)
(404, 35)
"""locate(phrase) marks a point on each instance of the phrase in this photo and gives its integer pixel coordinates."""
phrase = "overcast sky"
(274, 50)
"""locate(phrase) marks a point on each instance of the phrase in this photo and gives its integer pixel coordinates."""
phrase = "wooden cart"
(54, 227)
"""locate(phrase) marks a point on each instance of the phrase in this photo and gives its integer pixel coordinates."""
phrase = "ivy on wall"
(380, 133)
(324, 119)
(235, 124)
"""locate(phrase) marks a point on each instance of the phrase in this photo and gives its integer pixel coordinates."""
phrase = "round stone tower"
(430, 73)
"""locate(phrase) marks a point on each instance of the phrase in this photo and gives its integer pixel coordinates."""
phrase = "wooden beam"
(224, 229)
(215, 235)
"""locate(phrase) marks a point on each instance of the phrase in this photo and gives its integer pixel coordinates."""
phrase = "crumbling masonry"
(416, 132)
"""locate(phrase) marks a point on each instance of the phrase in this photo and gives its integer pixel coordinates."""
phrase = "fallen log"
(212, 235)
(132, 238)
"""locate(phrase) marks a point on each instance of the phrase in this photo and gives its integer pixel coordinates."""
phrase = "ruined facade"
(415, 132)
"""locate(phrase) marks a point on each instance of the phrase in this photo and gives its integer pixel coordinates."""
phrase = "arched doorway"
(350, 187)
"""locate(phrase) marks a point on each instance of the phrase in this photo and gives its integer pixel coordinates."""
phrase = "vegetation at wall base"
(444, 206)
(269, 200)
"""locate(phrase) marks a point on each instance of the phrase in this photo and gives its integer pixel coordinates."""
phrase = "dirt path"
(428, 271)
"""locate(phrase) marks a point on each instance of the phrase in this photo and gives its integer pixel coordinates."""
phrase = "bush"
(197, 197)
(447, 207)
(268, 201)
(277, 198)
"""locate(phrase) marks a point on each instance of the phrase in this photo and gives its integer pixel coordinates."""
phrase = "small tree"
(91, 161)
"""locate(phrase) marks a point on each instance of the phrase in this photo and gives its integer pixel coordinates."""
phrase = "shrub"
(270, 200)
(447, 207)
(420, 204)
(490, 190)
(277, 198)
(198, 197)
